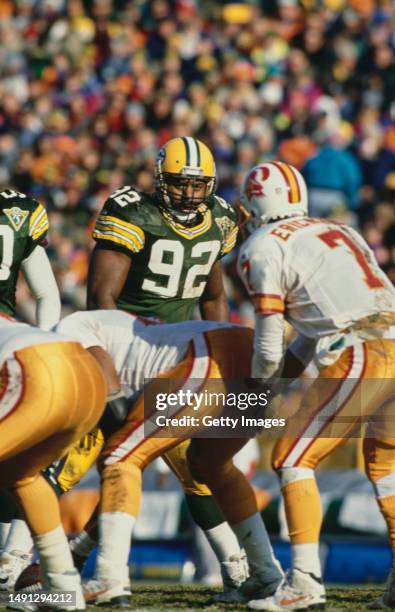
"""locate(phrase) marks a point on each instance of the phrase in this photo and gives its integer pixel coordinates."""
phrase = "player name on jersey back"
(320, 274)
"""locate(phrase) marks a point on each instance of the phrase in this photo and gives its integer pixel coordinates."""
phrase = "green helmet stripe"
(187, 151)
(198, 152)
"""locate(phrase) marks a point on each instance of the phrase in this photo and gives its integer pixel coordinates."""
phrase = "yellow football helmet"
(184, 175)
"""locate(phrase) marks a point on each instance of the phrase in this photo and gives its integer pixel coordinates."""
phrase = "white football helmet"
(273, 190)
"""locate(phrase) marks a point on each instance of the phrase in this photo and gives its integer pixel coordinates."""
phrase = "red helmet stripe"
(291, 181)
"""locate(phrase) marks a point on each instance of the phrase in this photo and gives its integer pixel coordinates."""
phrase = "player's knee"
(384, 486)
(193, 460)
(293, 474)
(133, 463)
(379, 460)
(204, 467)
(199, 464)
(279, 464)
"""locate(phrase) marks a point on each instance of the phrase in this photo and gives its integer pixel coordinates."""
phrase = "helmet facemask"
(185, 178)
(182, 194)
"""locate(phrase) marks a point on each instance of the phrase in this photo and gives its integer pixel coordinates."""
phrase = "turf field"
(176, 597)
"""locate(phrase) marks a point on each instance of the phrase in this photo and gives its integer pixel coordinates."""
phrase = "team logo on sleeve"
(16, 216)
(225, 226)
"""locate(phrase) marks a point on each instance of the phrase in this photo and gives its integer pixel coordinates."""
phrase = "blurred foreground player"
(325, 281)
(52, 393)
(23, 230)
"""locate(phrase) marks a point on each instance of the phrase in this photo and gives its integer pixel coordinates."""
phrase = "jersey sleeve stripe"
(268, 303)
(117, 239)
(38, 217)
(125, 225)
(39, 231)
(38, 210)
(113, 231)
(106, 227)
(230, 241)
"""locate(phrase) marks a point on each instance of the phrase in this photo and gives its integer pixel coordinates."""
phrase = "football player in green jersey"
(158, 255)
(23, 229)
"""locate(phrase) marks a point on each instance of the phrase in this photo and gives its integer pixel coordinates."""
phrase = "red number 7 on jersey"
(334, 238)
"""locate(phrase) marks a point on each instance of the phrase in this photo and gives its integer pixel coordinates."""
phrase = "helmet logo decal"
(254, 185)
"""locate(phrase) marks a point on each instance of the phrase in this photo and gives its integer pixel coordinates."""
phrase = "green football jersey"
(170, 262)
(23, 225)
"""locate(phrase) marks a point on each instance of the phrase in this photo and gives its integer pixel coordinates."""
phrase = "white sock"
(223, 541)
(306, 557)
(254, 538)
(54, 551)
(82, 544)
(19, 537)
(4, 530)
(115, 535)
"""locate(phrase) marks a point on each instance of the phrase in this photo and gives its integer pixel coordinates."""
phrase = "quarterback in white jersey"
(324, 280)
(322, 277)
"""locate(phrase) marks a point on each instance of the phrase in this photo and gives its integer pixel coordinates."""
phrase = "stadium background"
(90, 90)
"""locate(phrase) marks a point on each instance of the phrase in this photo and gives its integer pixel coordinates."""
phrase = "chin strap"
(184, 219)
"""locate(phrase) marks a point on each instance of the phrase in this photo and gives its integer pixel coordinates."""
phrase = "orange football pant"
(356, 392)
(52, 394)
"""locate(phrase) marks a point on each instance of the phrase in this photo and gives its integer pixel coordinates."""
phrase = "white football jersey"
(321, 275)
(15, 336)
(139, 348)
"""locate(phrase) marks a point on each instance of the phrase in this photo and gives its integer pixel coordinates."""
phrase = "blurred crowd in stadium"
(90, 90)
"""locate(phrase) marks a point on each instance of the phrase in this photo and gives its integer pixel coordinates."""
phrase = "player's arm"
(269, 347)
(41, 281)
(261, 273)
(107, 275)
(118, 239)
(213, 303)
(38, 272)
